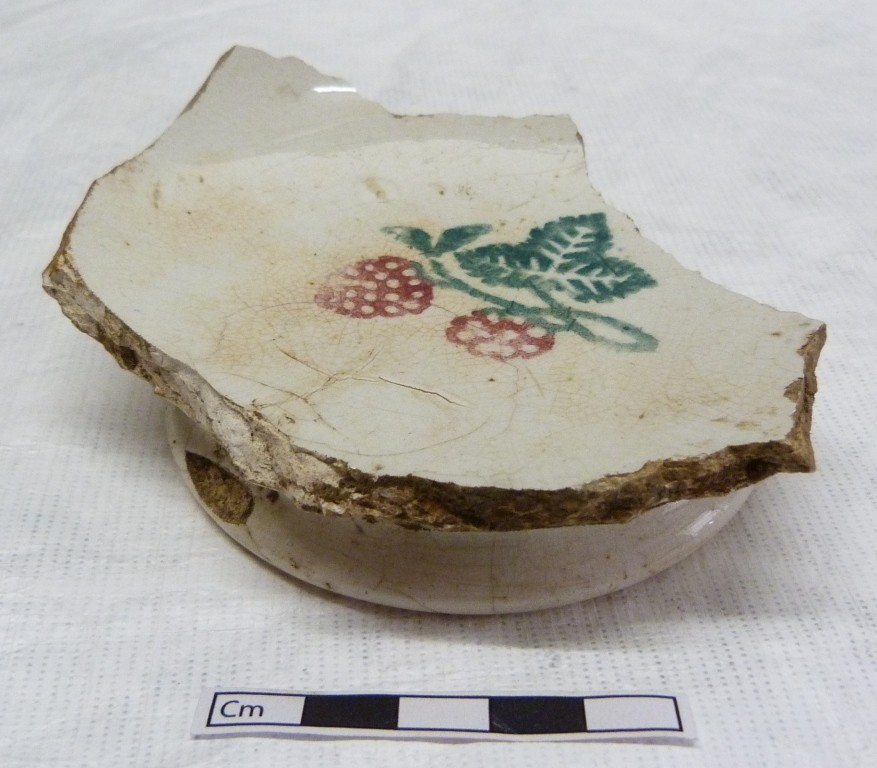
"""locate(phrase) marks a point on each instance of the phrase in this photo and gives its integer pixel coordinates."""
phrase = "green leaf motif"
(457, 237)
(412, 237)
(449, 240)
(509, 265)
(567, 255)
(560, 265)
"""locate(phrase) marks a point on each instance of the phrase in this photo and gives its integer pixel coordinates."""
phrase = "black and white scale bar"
(472, 717)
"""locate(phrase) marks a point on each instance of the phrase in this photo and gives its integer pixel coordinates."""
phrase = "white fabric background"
(740, 136)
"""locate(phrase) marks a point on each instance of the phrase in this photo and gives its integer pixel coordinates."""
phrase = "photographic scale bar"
(468, 717)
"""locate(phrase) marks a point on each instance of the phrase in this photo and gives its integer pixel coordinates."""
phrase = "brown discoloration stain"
(410, 501)
(206, 83)
(803, 393)
(375, 188)
(228, 498)
(793, 391)
(613, 499)
(127, 358)
(423, 504)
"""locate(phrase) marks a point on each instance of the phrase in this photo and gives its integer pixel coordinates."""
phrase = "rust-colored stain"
(228, 498)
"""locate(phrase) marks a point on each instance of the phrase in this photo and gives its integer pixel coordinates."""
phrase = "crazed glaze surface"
(370, 310)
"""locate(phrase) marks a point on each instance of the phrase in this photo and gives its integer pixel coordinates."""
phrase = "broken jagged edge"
(429, 319)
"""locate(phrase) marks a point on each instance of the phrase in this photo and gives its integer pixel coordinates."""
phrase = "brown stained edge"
(124, 355)
(61, 255)
(216, 67)
(419, 503)
(427, 504)
(227, 497)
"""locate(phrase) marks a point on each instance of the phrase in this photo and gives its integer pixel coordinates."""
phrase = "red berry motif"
(383, 287)
(488, 334)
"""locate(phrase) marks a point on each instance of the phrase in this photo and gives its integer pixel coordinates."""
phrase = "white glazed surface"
(212, 244)
(460, 572)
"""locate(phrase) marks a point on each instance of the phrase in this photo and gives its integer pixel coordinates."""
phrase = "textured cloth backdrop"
(739, 136)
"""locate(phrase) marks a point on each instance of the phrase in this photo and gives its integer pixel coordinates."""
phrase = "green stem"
(642, 341)
(567, 317)
(446, 280)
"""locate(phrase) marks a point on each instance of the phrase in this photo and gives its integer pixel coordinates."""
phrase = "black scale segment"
(364, 711)
(537, 714)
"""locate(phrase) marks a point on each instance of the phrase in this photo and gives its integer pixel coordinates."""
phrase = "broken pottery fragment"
(427, 341)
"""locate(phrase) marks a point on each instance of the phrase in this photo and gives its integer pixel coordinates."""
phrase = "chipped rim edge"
(611, 499)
